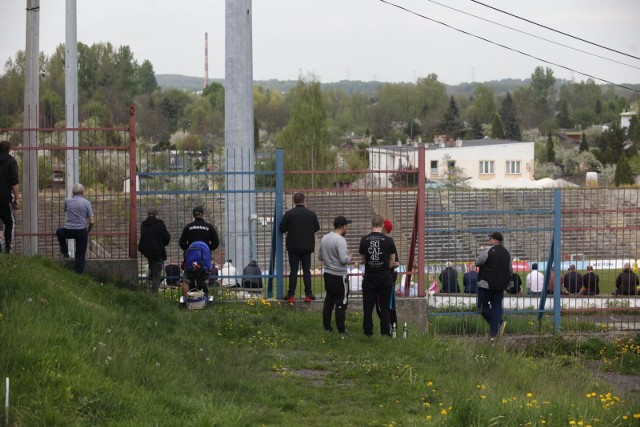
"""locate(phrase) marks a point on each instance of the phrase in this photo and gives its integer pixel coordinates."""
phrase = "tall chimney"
(206, 59)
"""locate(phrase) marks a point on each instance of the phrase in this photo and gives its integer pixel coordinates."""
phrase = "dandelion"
(429, 417)
(157, 364)
(572, 423)
(429, 384)
(529, 395)
(443, 412)
(624, 417)
(636, 416)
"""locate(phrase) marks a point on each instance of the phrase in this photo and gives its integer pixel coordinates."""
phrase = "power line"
(507, 47)
(533, 35)
(552, 29)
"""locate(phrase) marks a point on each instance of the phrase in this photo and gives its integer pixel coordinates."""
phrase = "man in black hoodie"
(154, 236)
(8, 193)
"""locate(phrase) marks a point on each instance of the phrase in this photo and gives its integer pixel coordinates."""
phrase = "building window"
(434, 167)
(486, 167)
(451, 164)
(513, 167)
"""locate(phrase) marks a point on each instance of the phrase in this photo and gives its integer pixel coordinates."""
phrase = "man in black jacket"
(199, 231)
(493, 279)
(8, 193)
(301, 225)
(154, 236)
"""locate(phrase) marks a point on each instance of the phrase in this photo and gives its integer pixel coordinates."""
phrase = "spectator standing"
(590, 282)
(387, 228)
(535, 280)
(377, 251)
(8, 194)
(78, 224)
(198, 231)
(335, 256)
(252, 269)
(449, 280)
(493, 279)
(572, 281)
(300, 224)
(627, 281)
(470, 281)
(154, 237)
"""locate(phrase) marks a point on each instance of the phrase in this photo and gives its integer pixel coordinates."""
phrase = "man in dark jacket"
(470, 282)
(572, 281)
(252, 269)
(494, 278)
(301, 225)
(449, 280)
(199, 231)
(154, 236)
(627, 281)
(590, 282)
(8, 193)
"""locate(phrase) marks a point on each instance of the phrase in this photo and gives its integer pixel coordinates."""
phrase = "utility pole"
(30, 136)
(238, 129)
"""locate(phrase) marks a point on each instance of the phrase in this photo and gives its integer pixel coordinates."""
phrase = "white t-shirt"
(535, 281)
(355, 282)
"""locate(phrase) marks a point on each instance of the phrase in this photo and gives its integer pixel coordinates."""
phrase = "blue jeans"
(81, 237)
(294, 263)
(490, 306)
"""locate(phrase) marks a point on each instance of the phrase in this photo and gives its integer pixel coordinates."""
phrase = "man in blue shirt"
(78, 224)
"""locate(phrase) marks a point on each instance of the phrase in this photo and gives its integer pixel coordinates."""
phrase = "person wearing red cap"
(387, 228)
(378, 253)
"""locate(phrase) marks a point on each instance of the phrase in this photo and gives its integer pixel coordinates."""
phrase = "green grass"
(79, 352)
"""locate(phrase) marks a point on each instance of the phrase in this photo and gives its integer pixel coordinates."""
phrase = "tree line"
(311, 115)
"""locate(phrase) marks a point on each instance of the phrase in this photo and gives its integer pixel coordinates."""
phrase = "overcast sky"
(352, 39)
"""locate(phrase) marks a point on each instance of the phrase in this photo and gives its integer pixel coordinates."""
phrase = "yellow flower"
(572, 423)
(529, 395)
(429, 384)
(624, 417)
(636, 416)
(443, 412)
(429, 417)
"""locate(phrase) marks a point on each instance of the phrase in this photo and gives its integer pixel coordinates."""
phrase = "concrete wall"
(123, 272)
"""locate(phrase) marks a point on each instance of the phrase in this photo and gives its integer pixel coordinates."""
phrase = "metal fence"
(432, 226)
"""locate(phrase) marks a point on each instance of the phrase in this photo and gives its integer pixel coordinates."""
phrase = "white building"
(625, 118)
(481, 159)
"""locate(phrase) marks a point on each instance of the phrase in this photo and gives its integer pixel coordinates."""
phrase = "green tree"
(496, 127)
(584, 146)
(542, 85)
(623, 172)
(451, 124)
(476, 131)
(509, 118)
(634, 129)
(610, 144)
(306, 135)
(483, 105)
(551, 152)
(563, 118)
(146, 77)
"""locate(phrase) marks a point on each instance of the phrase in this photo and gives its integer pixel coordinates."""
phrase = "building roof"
(466, 143)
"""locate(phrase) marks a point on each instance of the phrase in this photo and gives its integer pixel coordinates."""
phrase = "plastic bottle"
(405, 331)
(394, 331)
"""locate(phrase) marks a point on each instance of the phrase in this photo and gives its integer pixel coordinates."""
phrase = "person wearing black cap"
(335, 256)
(198, 231)
(301, 225)
(154, 237)
(494, 278)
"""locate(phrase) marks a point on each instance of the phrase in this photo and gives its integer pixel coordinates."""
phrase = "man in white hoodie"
(335, 256)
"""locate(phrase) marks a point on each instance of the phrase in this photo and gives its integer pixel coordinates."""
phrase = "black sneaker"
(64, 256)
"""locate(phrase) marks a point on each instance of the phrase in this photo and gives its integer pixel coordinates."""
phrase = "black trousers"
(337, 297)
(378, 287)
(6, 216)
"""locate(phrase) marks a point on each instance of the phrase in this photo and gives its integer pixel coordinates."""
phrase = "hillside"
(79, 352)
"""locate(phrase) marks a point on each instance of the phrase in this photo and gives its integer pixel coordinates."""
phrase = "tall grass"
(79, 352)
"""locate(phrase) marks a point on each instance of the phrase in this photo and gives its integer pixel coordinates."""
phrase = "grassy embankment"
(78, 352)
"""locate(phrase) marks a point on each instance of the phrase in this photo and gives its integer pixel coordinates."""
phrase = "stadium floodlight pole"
(72, 155)
(30, 136)
(238, 130)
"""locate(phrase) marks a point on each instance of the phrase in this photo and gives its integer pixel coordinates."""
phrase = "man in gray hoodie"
(335, 256)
